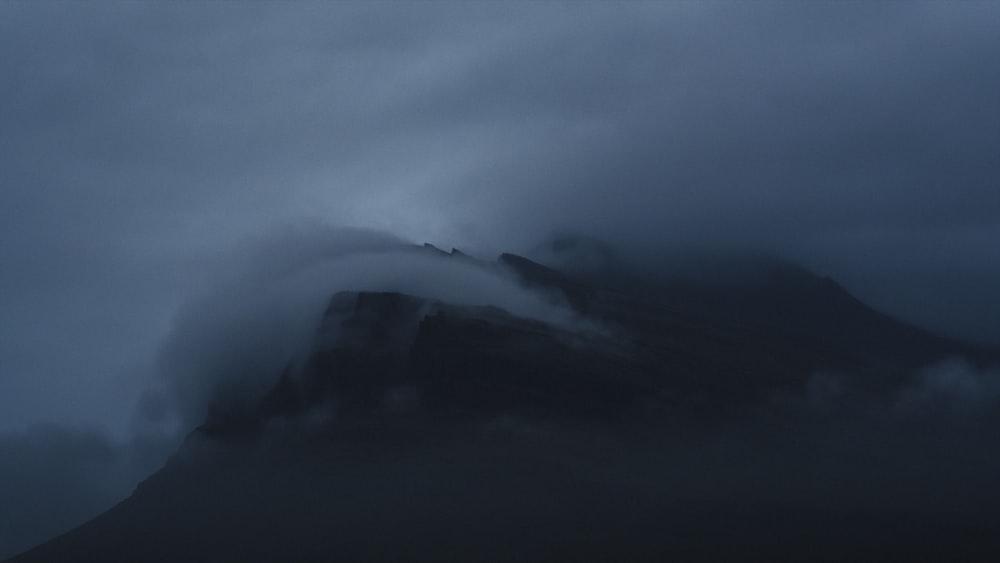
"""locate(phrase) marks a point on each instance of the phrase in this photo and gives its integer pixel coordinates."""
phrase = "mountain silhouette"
(418, 429)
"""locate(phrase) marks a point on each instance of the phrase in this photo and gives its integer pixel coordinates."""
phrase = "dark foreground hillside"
(776, 419)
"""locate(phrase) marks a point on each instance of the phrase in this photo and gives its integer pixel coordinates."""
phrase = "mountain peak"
(418, 427)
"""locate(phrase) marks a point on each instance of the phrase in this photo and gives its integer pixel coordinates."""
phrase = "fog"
(267, 311)
(145, 143)
(176, 179)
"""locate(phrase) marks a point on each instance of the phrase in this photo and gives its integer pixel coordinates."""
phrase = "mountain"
(662, 418)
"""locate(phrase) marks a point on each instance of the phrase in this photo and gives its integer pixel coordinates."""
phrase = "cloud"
(954, 387)
(267, 308)
(144, 144)
(859, 139)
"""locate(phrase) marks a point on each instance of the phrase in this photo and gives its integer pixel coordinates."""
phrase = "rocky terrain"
(743, 415)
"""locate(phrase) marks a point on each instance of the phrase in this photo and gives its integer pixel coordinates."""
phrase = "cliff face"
(696, 348)
(422, 430)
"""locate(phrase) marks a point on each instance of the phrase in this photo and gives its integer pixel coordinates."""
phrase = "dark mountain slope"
(655, 426)
(773, 320)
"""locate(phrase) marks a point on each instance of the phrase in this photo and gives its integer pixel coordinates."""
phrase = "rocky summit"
(731, 416)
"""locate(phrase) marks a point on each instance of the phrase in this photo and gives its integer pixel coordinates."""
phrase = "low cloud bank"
(955, 387)
(237, 336)
(265, 312)
(925, 447)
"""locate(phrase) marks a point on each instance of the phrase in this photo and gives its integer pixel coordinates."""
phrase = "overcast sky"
(151, 153)
(141, 145)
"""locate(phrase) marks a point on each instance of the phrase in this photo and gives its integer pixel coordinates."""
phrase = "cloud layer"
(143, 146)
(142, 141)
(268, 308)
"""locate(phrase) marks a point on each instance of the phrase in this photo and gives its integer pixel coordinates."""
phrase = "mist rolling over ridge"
(252, 327)
(690, 281)
(398, 400)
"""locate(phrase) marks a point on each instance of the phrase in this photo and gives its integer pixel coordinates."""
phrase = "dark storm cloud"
(142, 143)
(863, 148)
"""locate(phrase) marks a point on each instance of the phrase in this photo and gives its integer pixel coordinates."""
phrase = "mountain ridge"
(403, 396)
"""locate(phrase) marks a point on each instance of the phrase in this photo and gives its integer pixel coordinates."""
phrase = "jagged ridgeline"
(660, 418)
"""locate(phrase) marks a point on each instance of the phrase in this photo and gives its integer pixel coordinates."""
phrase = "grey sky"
(140, 144)
(151, 154)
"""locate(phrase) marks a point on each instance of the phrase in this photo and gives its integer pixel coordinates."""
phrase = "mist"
(923, 444)
(268, 308)
(144, 144)
(185, 186)
(923, 447)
